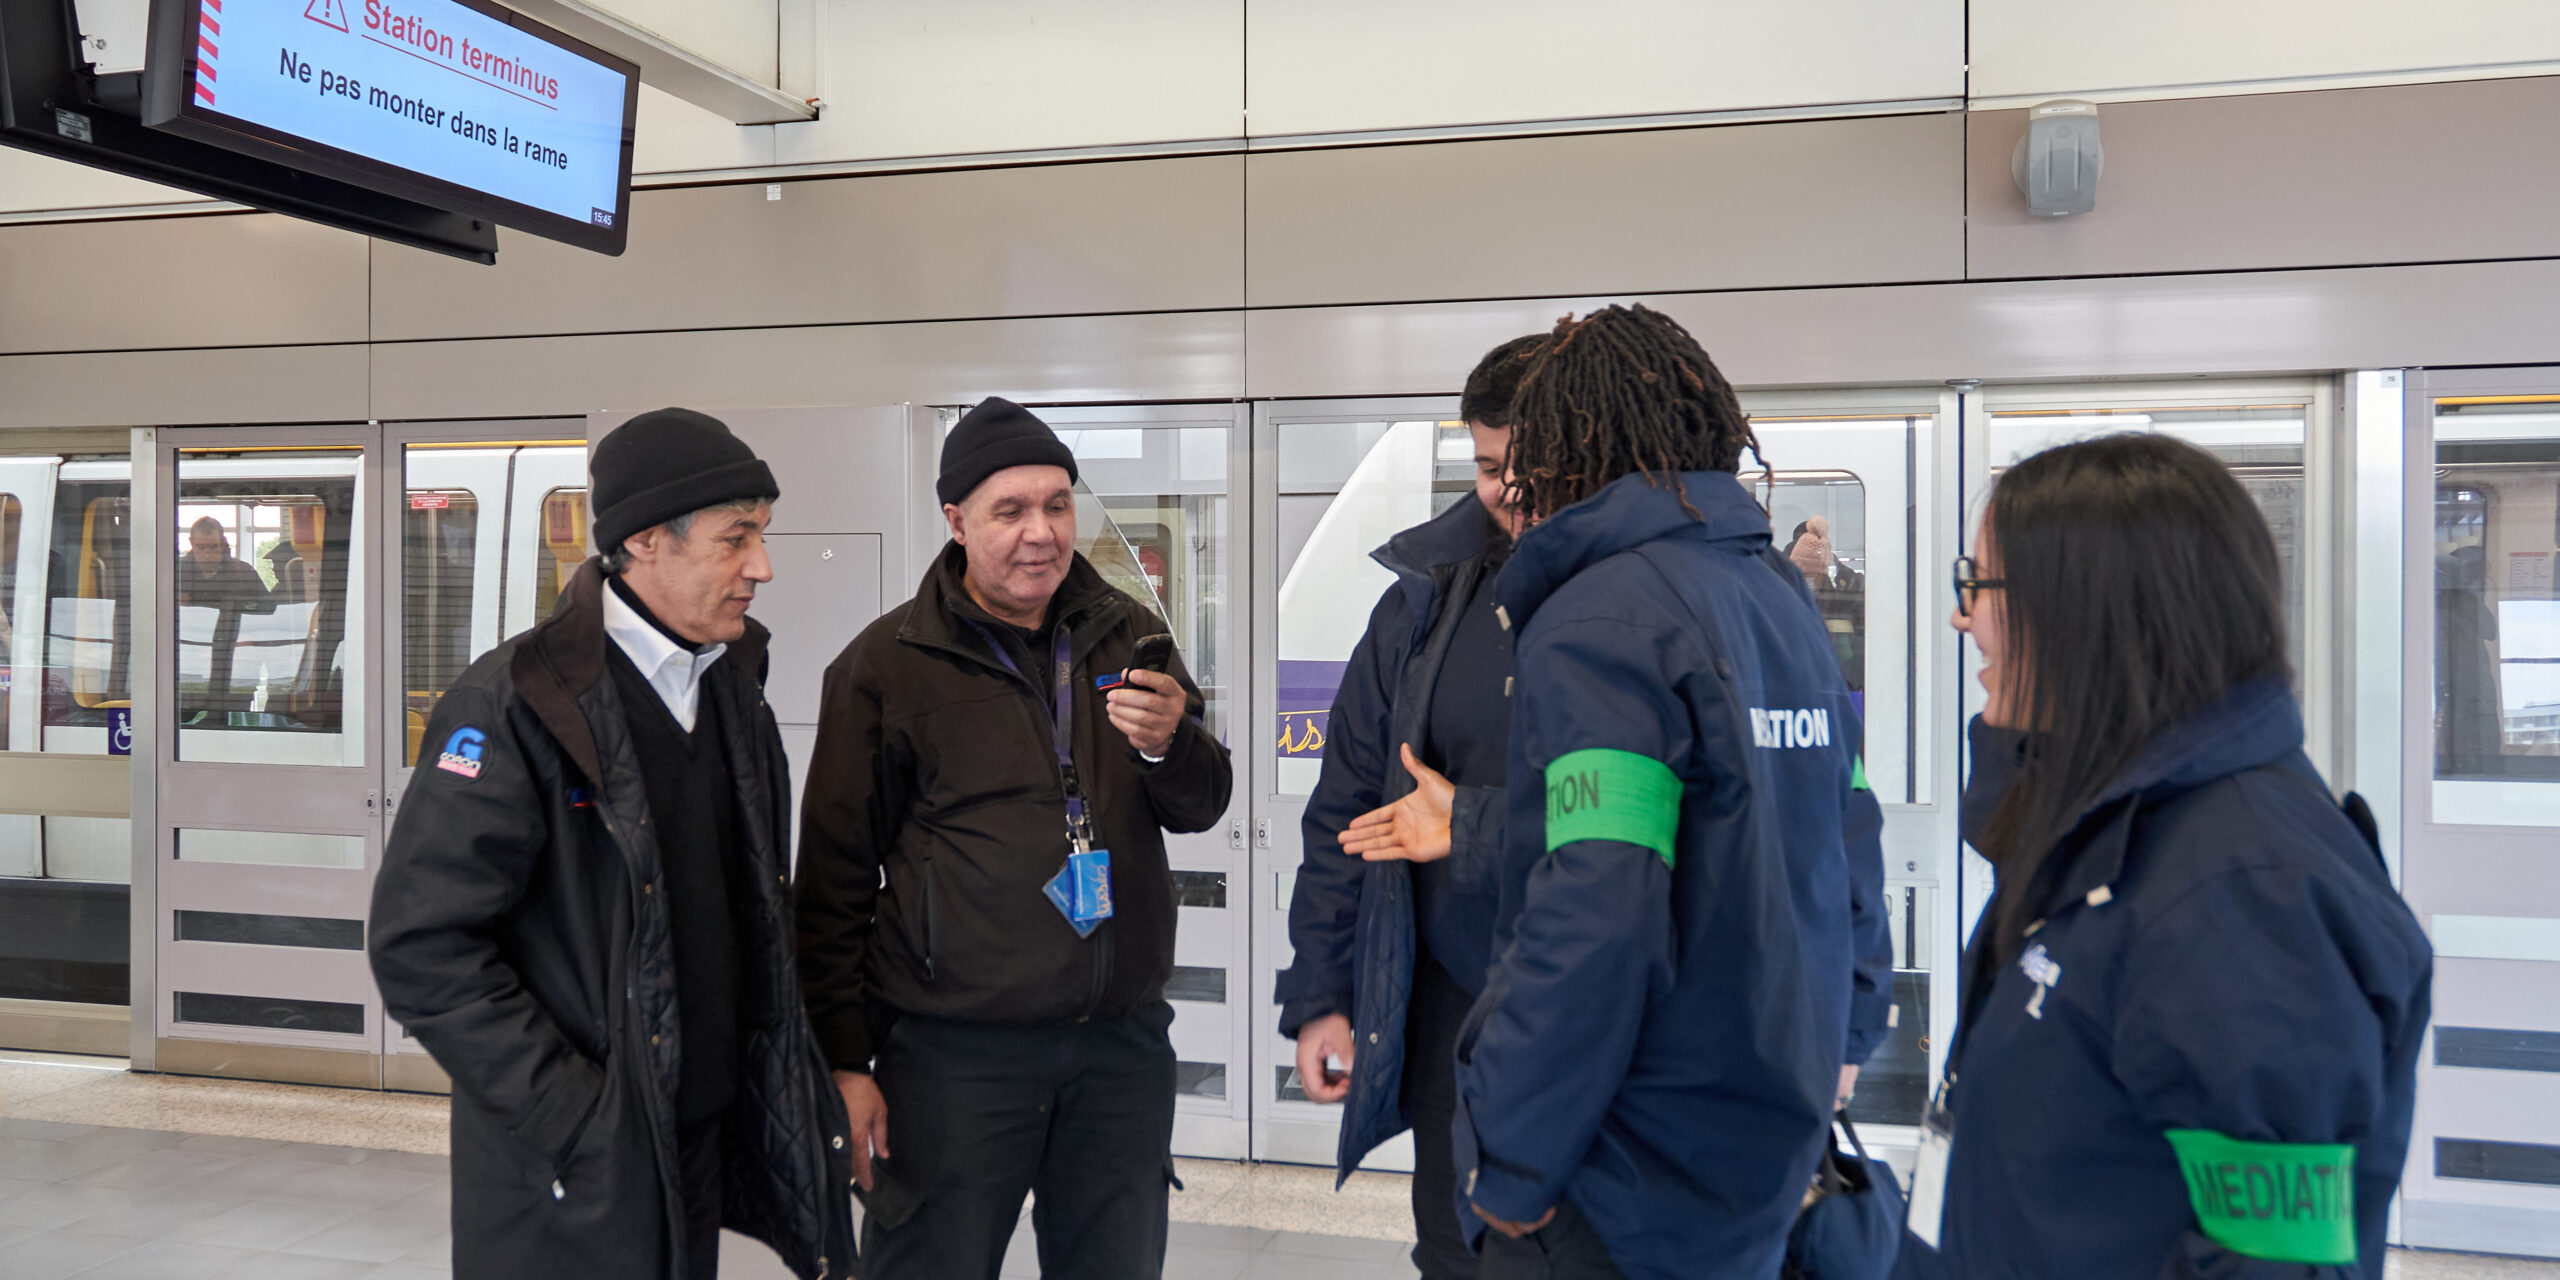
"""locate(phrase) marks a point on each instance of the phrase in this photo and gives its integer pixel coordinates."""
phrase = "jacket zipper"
(1101, 952)
(926, 874)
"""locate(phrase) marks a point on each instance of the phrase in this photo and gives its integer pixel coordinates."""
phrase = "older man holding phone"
(986, 915)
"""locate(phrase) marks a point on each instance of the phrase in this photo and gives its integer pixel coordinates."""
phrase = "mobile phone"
(1153, 653)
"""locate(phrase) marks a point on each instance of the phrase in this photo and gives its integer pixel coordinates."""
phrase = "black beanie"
(667, 463)
(995, 435)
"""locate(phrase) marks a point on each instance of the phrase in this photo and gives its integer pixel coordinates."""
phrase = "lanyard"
(1061, 725)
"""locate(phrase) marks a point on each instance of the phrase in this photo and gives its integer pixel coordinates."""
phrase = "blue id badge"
(1082, 890)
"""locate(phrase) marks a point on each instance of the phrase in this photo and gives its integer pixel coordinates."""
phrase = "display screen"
(448, 101)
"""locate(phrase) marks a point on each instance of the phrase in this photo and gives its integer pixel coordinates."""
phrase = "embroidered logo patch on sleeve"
(2281, 1202)
(462, 752)
(1603, 794)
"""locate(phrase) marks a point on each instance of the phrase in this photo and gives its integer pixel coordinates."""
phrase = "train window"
(564, 547)
(439, 534)
(1345, 488)
(2262, 444)
(489, 536)
(65, 649)
(83, 596)
(2497, 615)
(269, 601)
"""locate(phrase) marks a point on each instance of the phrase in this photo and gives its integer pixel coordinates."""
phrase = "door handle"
(1235, 834)
(373, 804)
(1262, 833)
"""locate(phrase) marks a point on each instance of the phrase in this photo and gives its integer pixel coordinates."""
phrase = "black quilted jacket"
(520, 932)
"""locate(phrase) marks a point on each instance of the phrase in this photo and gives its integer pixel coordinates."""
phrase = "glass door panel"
(1344, 477)
(491, 521)
(268, 605)
(1848, 497)
(1155, 514)
(65, 656)
(2481, 759)
(491, 530)
(1347, 476)
(267, 820)
(2263, 443)
(2496, 727)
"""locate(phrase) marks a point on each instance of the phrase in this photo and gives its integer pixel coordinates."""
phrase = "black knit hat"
(995, 435)
(667, 463)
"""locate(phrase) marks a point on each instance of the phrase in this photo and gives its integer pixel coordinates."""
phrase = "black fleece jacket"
(935, 769)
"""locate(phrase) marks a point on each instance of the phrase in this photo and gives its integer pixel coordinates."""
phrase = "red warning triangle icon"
(328, 13)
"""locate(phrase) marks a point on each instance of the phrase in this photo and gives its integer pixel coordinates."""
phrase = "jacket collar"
(2254, 724)
(561, 659)
(943, 610)
(1461, 533)
(1628, 512)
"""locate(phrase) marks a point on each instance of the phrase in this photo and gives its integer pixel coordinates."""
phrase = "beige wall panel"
(1330, 65)
(2413, 173)
(2486, 313)
(169, 388)
(1815, 202)
(950, 77)
(1096, 358)
(1145, 235)
(2058, 48)
(226, 280)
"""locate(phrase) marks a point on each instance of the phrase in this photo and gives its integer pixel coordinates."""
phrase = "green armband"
(2279, 1201)
(1600, 794)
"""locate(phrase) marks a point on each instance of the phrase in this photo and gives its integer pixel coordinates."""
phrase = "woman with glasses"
(2193, 1007)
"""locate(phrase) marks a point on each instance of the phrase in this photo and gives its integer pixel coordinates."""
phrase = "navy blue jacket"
(1352, 921)
(2220, 950)
(1662, 1036)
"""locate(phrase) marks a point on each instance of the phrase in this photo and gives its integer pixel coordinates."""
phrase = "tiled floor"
(90, 1193)
(146, 1204)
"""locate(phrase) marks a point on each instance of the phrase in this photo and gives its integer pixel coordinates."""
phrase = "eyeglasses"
(1967, 585)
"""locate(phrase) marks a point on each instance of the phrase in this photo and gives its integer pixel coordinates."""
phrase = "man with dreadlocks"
(1648, 1079)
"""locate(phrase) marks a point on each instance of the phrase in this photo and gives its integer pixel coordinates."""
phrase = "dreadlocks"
(1622, 389)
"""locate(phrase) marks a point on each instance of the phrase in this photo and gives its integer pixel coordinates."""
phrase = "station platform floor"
(110, 1175)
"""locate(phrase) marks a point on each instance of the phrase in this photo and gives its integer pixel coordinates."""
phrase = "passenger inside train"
(1146, 639)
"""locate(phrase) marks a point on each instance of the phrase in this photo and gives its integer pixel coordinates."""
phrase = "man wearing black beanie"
(985, 912)
(580, 908)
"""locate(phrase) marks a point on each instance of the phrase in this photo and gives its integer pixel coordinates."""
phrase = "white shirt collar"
(670, 668)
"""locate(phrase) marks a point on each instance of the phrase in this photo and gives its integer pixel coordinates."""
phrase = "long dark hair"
(1623, 389)
(2142, 586)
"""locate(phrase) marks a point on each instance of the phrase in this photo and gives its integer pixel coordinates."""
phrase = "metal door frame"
(197, 790)
(2497, 1216)
(406, 1065)
(1204, 1128)
(1921, 846)
(1291, 1132)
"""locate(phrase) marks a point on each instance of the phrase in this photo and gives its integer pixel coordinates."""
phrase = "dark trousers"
(1565, 1249)
(1431, 1024)
(1080, 1116)
(698, 1165)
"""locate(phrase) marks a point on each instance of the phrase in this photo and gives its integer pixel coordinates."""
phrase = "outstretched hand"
(1415, 828)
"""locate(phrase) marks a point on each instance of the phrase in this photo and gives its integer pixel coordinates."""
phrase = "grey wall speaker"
(2058, 161)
